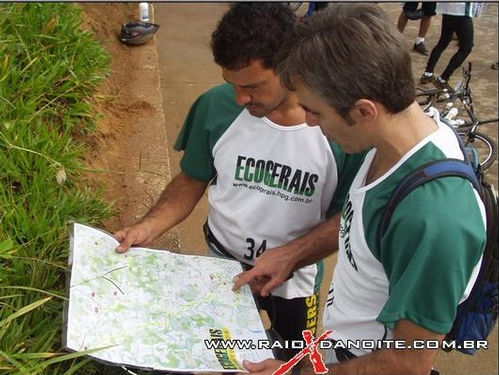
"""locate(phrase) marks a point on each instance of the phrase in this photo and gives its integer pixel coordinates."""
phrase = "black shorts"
(289, 317)
(428, 7)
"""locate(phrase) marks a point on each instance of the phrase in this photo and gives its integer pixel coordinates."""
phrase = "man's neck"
(398, 135)
(288, 112)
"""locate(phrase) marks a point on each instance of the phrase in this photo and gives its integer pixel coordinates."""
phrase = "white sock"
(419, 40)
(428, 74)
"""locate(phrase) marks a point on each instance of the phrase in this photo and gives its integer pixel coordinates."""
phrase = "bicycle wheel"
(484, 144)
(425, 101)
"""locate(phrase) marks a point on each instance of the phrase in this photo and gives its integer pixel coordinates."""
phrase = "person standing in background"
(410, 11)
(456, 17)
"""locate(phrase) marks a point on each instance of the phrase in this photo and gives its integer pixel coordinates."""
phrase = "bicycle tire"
(430, 97)
(467, 126)
(424, 101)
(484, 144)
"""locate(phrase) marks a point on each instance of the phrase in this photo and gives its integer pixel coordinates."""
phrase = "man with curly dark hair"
(272, 181)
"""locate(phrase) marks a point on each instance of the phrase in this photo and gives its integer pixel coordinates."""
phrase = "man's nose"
(242, 98)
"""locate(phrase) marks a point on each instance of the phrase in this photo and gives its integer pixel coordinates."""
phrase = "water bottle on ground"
(144, 12)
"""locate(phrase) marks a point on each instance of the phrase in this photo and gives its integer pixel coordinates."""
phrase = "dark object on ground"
(495, 65)
(137, 33)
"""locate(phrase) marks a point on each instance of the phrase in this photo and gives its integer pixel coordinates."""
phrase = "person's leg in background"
(409, 6)
(429, 10)
(464, 31)
(448, 24)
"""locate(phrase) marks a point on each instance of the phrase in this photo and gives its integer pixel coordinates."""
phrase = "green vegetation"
(49, 70)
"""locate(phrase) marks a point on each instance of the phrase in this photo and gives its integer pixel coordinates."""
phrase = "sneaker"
(443, 85)
(426, 77)
(420, 48)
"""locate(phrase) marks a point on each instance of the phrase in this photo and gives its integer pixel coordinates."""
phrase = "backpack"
(477, 315)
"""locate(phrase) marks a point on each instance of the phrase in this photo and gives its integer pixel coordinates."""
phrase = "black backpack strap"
(420, 176)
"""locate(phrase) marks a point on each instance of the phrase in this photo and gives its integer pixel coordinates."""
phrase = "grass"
(49, 71)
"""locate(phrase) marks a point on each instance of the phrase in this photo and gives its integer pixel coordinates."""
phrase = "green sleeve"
(348, 165)
(209, 117)
(435, 239)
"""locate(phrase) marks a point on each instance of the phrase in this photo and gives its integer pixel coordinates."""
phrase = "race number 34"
(254, 251)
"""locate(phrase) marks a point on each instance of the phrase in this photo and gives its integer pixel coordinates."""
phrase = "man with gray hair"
(352, 73)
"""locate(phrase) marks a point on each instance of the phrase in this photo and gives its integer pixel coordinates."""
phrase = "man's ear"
(364, 110)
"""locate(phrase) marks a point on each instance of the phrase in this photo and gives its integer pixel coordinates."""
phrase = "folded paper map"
(154, 309)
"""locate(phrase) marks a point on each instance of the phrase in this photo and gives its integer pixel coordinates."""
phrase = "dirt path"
(131, 138)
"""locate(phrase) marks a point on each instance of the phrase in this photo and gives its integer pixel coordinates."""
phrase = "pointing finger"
(244, 278)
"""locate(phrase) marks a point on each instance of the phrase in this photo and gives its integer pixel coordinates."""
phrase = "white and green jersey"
(428, 259)
(465, 8)
(270, 183)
